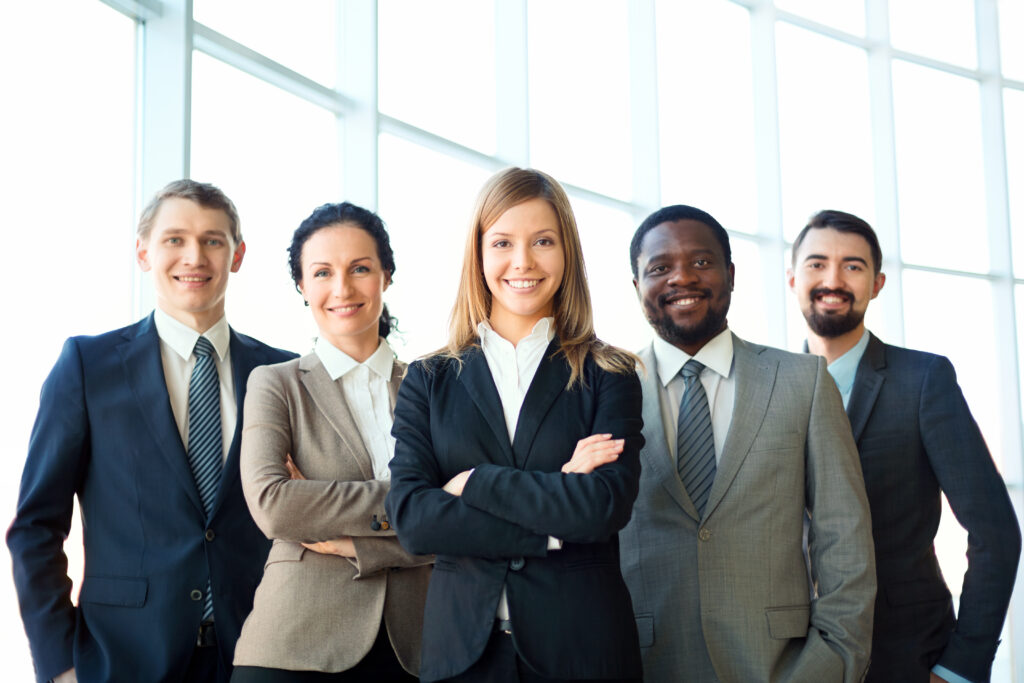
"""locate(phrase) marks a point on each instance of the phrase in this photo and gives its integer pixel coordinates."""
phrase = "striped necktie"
(205, 446)
(695, 442)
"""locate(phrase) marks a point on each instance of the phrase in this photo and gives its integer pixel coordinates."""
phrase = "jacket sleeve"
(840, 542)
(374, 555)
(289, 509)
(978, 498)
(578, 508)
(58, 455)
(428, 519)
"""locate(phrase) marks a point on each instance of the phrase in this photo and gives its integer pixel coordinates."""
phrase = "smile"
(345, 310)
(522, 284)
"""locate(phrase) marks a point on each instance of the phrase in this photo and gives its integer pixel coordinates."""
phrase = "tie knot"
(203, 347)
(692, 369)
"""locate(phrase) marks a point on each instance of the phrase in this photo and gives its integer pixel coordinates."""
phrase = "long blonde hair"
(574, 319)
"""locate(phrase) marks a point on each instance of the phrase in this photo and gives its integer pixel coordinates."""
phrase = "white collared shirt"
(177, 343)
(366, 389)
(717, 378)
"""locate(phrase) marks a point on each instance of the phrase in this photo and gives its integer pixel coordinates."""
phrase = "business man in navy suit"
(170, 565)
(916, 439)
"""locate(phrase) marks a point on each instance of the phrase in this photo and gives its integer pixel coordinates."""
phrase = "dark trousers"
(205, 665)
(379, 664)
(500, 664)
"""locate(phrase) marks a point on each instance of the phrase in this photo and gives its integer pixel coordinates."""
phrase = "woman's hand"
(293, 470)
(592, 452)
(343, 547)
(457, 483)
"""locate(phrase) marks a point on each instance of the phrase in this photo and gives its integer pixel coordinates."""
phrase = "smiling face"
(344, 283)
(833, 277)
(190, 253)
(684, 283)
(523, 263)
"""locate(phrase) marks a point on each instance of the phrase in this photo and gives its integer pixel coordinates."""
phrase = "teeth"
(187, 278)
(344, 309)
(685, 302)
(832, 299)
(522, 284)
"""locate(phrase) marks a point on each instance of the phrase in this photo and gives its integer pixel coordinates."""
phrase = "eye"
(855, 267)
(545, 242)
(657, 269)
(214, 242)
(702, 262)
(173, 240)
(501, 244)
(323, 272)
(361, 269)
(815, 265)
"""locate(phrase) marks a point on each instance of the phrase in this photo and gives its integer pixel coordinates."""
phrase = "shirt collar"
(844, 368)
(543, 331)
(715, 355)
(182, 338)
(338, 363)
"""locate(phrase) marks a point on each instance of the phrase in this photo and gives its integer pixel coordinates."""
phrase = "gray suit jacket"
(313, 611)
(727, 598)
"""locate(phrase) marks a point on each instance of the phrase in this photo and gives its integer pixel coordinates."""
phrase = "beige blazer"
(312, 611)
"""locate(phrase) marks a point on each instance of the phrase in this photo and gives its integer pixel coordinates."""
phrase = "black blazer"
(915, 435)
(105, 433)
(570, 609)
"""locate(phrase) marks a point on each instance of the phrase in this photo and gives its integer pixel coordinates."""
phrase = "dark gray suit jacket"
(916, 436)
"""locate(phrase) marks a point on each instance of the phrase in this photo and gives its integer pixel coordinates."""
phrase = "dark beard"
(831, 325)
(711, 325)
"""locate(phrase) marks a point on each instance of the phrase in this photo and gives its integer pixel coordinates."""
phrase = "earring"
(305, 303)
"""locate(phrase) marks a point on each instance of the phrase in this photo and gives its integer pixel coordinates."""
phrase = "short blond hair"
(204, 194)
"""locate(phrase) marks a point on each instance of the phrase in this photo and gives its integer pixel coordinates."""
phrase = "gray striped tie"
(205, 447)
(695, 442)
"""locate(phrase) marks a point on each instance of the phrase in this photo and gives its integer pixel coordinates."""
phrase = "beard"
(678, 335)
(832, 325)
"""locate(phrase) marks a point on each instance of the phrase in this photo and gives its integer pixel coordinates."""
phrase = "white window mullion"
(358, 82)
(511, 64)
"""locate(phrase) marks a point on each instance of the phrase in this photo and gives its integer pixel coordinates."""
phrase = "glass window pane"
(302, 35)
(436, 68)
(1011, 28)
(940, 173)
(1013, 122)
(579, 93)
(747, 310)
(947, 34)
(605, 234)
(276, 156)
(824, 127)
(427, 200)
(706, 110)
(845, 15)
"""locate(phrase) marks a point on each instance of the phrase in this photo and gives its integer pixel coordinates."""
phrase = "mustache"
(663, 299)
(824, 291)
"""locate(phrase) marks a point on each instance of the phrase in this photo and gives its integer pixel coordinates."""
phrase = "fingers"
(593, 438)
(293, 470)
(591, 456)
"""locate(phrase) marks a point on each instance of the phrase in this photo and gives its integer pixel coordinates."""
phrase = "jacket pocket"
(645, 629)
(285, 551)
(915, 592)
(120, 591)
(788, 622)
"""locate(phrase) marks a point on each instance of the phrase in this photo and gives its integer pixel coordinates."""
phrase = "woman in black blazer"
(517, 458)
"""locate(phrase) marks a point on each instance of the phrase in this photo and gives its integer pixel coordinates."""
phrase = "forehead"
(185, 215)
(830, 243)
(341, 241)
(680, 237)
(531, 215)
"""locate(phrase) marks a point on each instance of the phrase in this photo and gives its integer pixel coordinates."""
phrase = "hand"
(342, 547)
(457, 483)
(293, 470)
(66, 677)
(935, 678)
(592, 452)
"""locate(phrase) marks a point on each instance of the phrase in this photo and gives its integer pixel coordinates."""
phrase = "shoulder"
(263, 353)
(283, 374)
(902, 358)
(786, 360)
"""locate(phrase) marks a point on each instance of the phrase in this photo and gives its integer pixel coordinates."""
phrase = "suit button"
(209, 535)
(517, 564)
(704, 534)
(196, 595)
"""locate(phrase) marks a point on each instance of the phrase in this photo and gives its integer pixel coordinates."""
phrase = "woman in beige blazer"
(340, 599)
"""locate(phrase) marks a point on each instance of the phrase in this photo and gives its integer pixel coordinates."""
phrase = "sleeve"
(428, 519)
(576, 508)
(978, 498)
(841, 548)
(374, 555)
(58, 455)
(296, 510)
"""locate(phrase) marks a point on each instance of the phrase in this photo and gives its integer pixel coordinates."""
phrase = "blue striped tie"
(205, 446)
(695, 441)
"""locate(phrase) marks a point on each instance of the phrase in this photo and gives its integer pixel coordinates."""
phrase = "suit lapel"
(327, 396)
(144, 370)
(551, 378)
(755, 381)
(656, 456)
(476, 378)
(866, 385)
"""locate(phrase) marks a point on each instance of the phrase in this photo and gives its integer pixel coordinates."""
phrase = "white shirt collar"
(716, 355)
(544, 331)
(338, 363)
(182, 338)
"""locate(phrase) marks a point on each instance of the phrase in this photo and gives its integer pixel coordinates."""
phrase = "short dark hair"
(204, 194)
(840, 221)
(345, 213)
(677, 212)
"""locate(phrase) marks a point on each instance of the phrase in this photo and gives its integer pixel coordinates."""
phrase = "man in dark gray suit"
(916, 439)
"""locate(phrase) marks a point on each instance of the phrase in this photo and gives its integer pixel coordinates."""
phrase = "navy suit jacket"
(916, 436)
(106, 433)
(570, 609)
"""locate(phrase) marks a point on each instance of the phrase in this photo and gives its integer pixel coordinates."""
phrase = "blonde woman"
(517, 458)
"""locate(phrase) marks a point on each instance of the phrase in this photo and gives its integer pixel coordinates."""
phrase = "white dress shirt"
(365, 388)
(717, 378)
(177, 343)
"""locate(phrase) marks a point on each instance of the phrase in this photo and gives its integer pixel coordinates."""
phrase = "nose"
(193, 253)
(342, 285)
(682, 275)
(831, 277)
(522, 257)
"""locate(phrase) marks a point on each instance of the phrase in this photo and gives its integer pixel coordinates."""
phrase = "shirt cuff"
(554, 543)
(948, 675)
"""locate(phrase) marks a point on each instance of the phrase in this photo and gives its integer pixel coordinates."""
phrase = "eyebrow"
(845, 259)
(539, 232)
(205, 233)
(692, 252)
(355, 260)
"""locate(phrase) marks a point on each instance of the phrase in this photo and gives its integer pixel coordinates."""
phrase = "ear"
(791, 280)
(879, 283)
(387, 281)
(236, 259)
(142, 254)
(636, 287)
(732, 277)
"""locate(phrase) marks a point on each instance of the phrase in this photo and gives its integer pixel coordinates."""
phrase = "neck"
(833, 347)
(358, 348)
(199, 321)
(513, 327)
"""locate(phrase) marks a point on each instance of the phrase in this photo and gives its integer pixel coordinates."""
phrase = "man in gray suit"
(741, 441)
